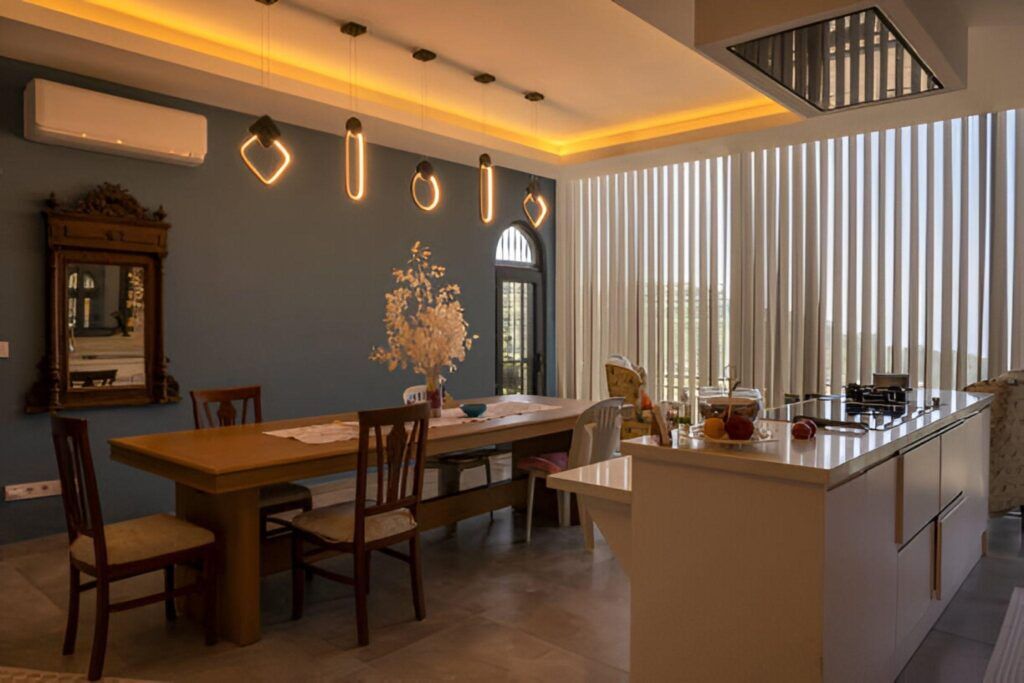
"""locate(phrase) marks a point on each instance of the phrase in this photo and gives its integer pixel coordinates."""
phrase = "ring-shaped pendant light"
(425, 174)
(355, 143)
(264, 130)
(424, 169)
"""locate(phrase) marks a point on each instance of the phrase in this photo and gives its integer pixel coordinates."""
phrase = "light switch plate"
(5, 349)
(35, 489)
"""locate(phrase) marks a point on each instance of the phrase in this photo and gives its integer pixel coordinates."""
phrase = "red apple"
(739, 428)
(813, 427)
(801, 431)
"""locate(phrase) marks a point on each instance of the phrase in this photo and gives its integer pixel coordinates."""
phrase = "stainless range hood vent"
(847, 61)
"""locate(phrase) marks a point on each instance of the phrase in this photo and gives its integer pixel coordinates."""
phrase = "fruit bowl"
(760, 435)
(715, 402)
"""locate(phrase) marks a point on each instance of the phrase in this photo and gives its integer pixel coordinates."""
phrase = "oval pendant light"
(486, 179)
(264, 130)
(486, 189)
(424, 169)
(355, 144)
(425, 174)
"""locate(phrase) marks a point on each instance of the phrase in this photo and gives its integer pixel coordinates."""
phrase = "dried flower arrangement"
(424, 322)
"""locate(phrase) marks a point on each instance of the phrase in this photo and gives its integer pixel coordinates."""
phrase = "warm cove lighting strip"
(173, 32)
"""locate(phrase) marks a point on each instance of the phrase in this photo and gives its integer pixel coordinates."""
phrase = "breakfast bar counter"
(826, 559)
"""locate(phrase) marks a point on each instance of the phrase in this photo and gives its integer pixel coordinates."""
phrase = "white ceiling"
(609, 78)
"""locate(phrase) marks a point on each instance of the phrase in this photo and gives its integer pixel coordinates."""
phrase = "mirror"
(105, 344)
(106, 323)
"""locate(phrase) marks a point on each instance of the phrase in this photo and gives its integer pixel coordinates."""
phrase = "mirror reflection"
(106, 325)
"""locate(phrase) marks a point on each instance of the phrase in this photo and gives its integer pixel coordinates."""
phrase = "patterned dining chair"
(113, 552)
(452, 465)
(397, 455)
(274, 498)
(595, 438)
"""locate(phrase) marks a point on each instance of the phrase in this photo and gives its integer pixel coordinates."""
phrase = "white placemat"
(349, 431)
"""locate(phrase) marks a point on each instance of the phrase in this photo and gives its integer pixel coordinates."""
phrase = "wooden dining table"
(218, 474)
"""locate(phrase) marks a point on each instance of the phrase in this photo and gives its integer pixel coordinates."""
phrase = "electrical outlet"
(35, 489)
(5, 349)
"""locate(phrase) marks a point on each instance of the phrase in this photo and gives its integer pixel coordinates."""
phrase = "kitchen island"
(827, 559)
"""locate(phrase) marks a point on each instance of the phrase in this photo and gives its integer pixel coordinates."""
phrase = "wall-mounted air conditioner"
(61, 114)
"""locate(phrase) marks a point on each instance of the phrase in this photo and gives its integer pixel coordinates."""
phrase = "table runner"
(339, 430)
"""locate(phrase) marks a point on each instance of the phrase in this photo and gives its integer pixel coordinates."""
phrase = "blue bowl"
(473, 409)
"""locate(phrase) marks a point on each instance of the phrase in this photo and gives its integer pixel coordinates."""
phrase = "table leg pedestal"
(234, 518)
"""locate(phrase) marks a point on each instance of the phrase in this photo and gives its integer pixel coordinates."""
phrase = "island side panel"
(726, 576)
(861, 577)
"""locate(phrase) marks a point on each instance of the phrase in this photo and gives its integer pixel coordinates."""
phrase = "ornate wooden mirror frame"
(107, 228)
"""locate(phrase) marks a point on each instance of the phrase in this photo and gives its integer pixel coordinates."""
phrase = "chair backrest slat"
(79, 492)
(398, 452)
(606, 416)
(226, 414)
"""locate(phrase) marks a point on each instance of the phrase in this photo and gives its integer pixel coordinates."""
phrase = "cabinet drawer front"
(916, 570)
(957, 546)
(958, 451)
(919, 479)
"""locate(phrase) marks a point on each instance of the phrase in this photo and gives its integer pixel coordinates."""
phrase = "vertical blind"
(802, 267)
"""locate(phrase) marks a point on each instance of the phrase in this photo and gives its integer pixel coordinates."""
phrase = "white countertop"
(611, 480)
(828, 459)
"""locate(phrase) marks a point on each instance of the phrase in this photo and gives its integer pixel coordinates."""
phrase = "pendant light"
(264, 130)
(486, 167)
(424, 169)
(354, 139)
(534, 205)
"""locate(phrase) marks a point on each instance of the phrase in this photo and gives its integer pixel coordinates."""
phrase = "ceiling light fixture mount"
(354, 139)
(484, 78)
(264, 130)
(424, 55)
(351, 28)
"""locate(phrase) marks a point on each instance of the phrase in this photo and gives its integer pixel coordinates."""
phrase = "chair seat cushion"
(282, 494)
(336, 523)
(142, 539)
(549, 463)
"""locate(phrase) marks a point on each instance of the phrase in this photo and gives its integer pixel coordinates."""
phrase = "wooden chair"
(122, 550)
(452, 465)
(398, 455)
(587, 446)
(274, 498)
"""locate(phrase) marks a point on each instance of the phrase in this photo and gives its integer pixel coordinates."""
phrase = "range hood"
(821, 56)
(858, 58)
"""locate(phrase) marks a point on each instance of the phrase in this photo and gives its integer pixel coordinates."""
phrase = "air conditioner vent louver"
(851, 60)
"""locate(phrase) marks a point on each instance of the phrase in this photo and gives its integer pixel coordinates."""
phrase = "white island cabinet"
(823, 560)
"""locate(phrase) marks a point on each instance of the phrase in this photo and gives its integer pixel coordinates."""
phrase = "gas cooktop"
(868, 410)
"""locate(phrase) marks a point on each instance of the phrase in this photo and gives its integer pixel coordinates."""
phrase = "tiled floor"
(497, 609)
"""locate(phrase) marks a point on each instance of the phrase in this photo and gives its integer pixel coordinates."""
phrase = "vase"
(434, 399)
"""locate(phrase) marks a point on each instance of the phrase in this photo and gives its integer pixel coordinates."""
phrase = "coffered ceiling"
(611, 81)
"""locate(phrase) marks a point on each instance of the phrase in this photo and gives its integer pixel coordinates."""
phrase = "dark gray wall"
(280, 286)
